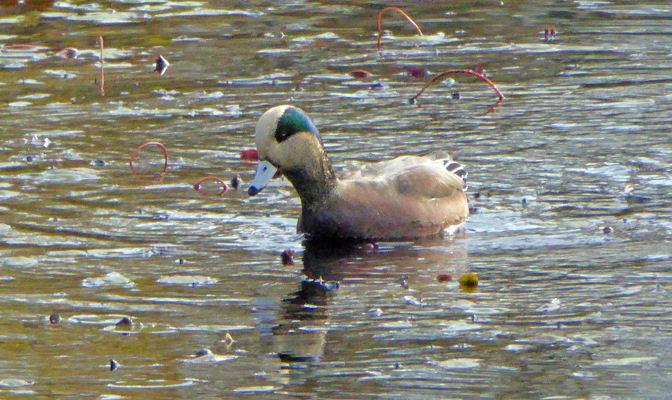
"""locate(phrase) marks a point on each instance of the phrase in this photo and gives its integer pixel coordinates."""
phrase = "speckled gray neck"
(312, 184)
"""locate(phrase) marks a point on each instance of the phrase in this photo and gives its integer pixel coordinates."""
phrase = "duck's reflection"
(302, 335)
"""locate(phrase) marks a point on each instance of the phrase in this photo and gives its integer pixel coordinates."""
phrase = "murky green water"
(565, 308)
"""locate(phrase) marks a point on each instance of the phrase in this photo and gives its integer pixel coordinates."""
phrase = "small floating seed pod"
(54, 319)
(125, 322)
(114, 365)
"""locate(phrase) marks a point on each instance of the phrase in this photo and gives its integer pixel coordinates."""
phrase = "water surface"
(569, 188)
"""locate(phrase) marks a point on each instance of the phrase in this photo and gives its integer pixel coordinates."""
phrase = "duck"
(405, 198)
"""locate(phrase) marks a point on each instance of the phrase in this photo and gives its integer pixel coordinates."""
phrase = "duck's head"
(288, 141)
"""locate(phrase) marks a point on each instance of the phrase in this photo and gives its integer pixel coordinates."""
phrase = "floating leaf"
(161, 65)
(68, 52)
(125, 322)
(236, 182)
(469, 280)
(249, 155)
(360, 74)
(417, 72)
(286, 258)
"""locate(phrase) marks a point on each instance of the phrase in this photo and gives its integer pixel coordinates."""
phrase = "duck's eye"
(265, 168)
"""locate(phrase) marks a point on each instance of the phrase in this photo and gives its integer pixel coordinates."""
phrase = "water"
(569, 188)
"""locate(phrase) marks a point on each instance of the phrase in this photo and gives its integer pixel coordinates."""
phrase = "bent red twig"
(165, 155)
(380, 30)
(467, 72)
(197, 185)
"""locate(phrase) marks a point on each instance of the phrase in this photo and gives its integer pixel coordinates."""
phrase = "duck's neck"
(313, 180)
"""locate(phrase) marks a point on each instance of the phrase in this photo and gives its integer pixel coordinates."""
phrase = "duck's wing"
(386, 168)
(411, 173)
(430, 181)
(415, 192)
(355, 171)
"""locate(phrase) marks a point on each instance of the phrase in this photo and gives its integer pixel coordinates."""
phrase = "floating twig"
(101, 84)
(380, 30)
(24, 47)
(197, 185)
(165, 155)
(467, 72)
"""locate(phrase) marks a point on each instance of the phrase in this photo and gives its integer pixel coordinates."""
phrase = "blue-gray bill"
(265, 172)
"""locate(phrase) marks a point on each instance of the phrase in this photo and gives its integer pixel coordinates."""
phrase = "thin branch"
(197, 185)
(165, 155)
(467, 72)
(380, 30)
(101, 84)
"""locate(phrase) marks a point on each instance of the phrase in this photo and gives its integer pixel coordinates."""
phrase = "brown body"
(405, 198)
(410, 203)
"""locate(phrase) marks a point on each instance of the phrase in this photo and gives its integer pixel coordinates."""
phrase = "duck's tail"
(457, 169)
(451, 165)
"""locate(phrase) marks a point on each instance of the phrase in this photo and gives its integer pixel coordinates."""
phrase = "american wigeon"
(408, 197)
